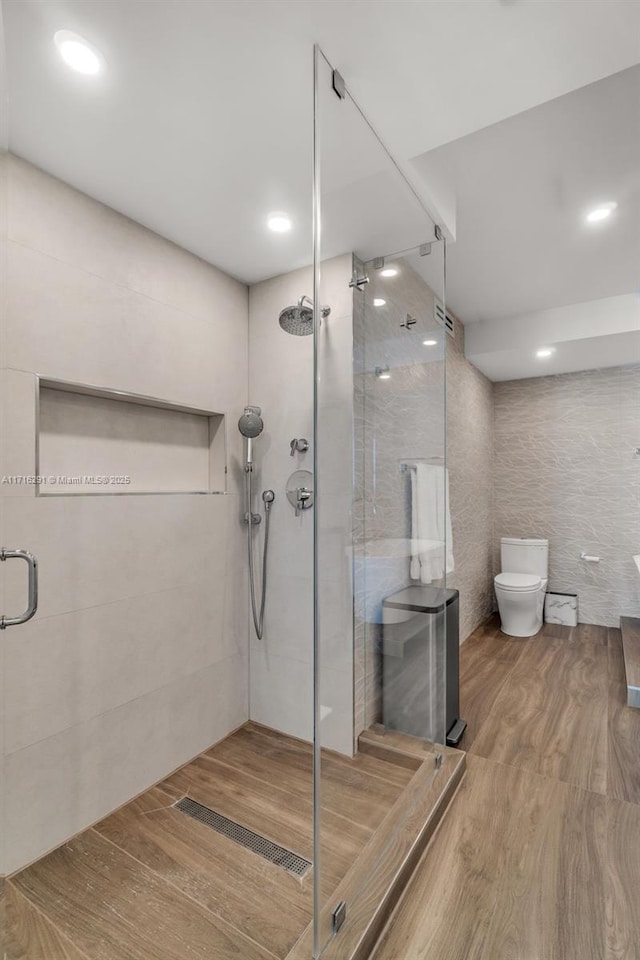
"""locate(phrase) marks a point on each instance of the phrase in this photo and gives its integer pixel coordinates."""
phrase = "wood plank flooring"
(539, 856)
(630, 628)
(149, 883)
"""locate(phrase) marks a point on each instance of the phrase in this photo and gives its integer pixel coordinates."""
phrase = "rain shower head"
(298, 320)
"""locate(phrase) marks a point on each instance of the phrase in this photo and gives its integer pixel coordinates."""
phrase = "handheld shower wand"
(251, 426)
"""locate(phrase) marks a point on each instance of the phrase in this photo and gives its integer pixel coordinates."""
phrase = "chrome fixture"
(588, 558)
(408, 322)
(435, 461)
(251, 426)
(304, 499)
(358, 281)
(301, 446)
(32, 602)
(300, 490)
(298, 320)
(258, 844)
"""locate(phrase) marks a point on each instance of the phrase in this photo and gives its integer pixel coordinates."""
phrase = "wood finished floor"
(148, 883)
(538, 857)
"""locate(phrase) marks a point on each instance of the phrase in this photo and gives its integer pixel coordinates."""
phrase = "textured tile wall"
(565, 469)
(401, 418)
(470, 460)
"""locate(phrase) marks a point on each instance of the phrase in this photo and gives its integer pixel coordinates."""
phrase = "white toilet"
(521, 587)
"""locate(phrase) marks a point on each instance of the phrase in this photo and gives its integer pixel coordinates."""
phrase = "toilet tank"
(524, 555)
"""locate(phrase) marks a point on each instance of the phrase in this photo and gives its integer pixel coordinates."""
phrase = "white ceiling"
(523, 187)
(527, 271)
(201, 123)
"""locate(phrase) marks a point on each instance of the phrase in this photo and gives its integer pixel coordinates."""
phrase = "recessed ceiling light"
(389, 272)
(429, 343)
(602, 212)
(382, 373)
(279, 222)
(76, 52)
(378, 302)
(545, 352)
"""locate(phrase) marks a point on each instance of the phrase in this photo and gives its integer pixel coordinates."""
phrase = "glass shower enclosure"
(381, 538)
(139, 324)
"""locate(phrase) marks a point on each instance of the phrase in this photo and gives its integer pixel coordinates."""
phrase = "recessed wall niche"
(93, 441)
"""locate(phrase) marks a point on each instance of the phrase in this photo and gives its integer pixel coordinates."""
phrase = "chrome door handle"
(32, 564)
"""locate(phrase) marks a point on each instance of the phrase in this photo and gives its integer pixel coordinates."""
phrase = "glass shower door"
(380, 574)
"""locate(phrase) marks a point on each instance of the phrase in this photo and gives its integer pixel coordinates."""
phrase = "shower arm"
(324, 311)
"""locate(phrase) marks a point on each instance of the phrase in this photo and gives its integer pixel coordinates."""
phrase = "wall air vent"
(444, 319)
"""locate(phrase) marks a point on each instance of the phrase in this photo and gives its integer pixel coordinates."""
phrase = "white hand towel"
(430, 523)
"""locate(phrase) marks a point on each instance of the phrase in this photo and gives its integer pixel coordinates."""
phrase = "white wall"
(281, 382)
(137, 659)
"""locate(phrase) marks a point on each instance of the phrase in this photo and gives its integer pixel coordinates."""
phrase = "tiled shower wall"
(281, 382)
(137, 658)
(565, 469)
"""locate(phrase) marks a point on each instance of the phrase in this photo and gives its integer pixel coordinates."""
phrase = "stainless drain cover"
(247, 838)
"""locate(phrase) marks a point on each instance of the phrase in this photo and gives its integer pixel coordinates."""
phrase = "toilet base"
(520, 636)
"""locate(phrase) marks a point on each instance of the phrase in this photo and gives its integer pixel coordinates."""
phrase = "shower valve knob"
(300, 445)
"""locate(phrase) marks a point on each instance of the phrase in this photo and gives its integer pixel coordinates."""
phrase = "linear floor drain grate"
(252, 841)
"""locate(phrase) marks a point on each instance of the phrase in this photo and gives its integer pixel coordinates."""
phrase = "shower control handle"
(302, 496)
(300, 445)
(299, 490)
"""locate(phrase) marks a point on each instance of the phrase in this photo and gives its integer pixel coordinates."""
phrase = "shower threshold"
(154, 881)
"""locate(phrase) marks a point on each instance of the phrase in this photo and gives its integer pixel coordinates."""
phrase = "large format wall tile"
(281, 382)
(75, 326)
(47, 215)
(137, 658)
(565, 469)
(60, 785)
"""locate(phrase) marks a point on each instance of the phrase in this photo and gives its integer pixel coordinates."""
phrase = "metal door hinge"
(339, 85)
(338, 916)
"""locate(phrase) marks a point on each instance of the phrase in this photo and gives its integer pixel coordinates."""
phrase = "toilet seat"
(518, 582)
